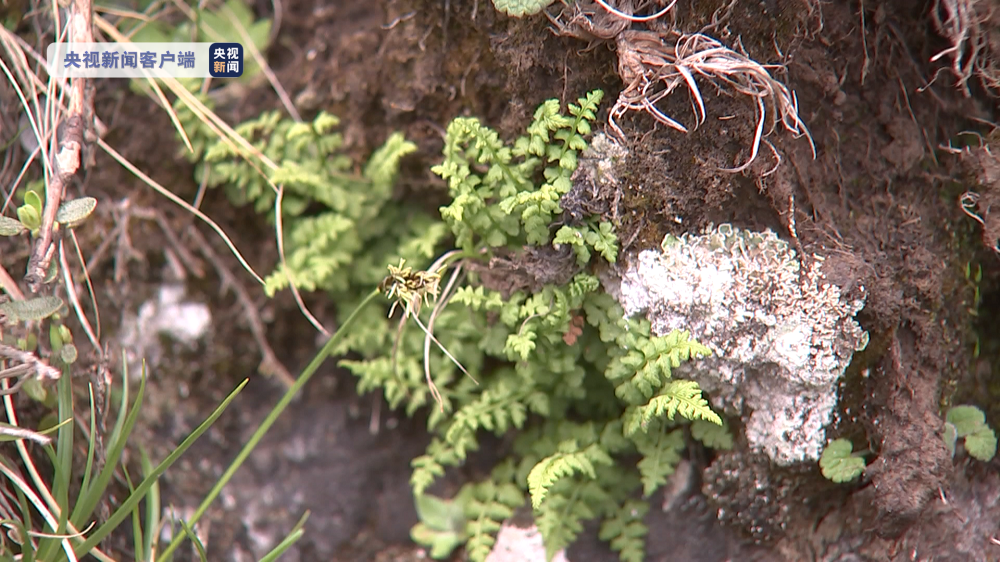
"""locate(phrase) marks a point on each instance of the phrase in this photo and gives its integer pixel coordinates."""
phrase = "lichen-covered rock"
(781, 335)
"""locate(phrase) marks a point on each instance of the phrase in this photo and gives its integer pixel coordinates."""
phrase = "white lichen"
(780, 338)
(168, 315)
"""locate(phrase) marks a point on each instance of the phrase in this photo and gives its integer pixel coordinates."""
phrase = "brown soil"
(880, 199)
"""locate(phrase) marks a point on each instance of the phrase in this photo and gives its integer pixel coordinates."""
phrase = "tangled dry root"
(652, 69)
(653, 64)
(975, 42)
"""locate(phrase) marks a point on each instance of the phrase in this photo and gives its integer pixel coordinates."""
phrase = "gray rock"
(781, 338)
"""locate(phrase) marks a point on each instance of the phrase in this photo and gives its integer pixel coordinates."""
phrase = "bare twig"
(9, 285)
(68, 145)
(29, 366)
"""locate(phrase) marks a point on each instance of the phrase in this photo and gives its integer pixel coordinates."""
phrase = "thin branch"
(69, 140)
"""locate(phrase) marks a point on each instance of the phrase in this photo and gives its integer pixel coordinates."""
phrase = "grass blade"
(87, 503)
(283, 546)
(309, 371)
(189, 532)
(63, 464)
(89, 467)
(152, 510)
(126, 507)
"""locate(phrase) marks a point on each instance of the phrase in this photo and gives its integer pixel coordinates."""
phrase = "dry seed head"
(410, 288)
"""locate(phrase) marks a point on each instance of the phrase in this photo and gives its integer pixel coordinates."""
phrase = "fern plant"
(585, 390)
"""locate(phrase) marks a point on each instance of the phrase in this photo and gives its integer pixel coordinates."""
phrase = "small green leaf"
(68, 354)
(73, 212)
(10, 227)
(32, 199)
(966, 419)
(55, 338)
(29, 217)
(439, 514)
(34, 389)
(838, 464)
(441, 544)
(35, 309)
(982, 444)
(51, 274)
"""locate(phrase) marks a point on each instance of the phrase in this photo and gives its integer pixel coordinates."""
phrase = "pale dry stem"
(628, 14)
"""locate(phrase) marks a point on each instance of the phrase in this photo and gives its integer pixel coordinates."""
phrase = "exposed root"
(966, 24)
(653, 64)
(652, 69)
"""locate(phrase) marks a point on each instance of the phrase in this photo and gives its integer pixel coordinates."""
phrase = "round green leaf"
(34, 388)
(838, 464)
(53, 271)
(966, 419)
(33, 200)
(68, 354)
(982, 444)
(29, 217)
(439, 514)
(73, 212)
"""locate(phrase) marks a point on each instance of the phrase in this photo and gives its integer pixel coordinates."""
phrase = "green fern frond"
(497, 409)
(321, 247)
(647, 363)
(383, 165)
(626, 531)
(677, 397)
(568, 461)
(430, 466)
(491, 503)
(712, 435)
(569, 503)
(661, 452)
(502, 206)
